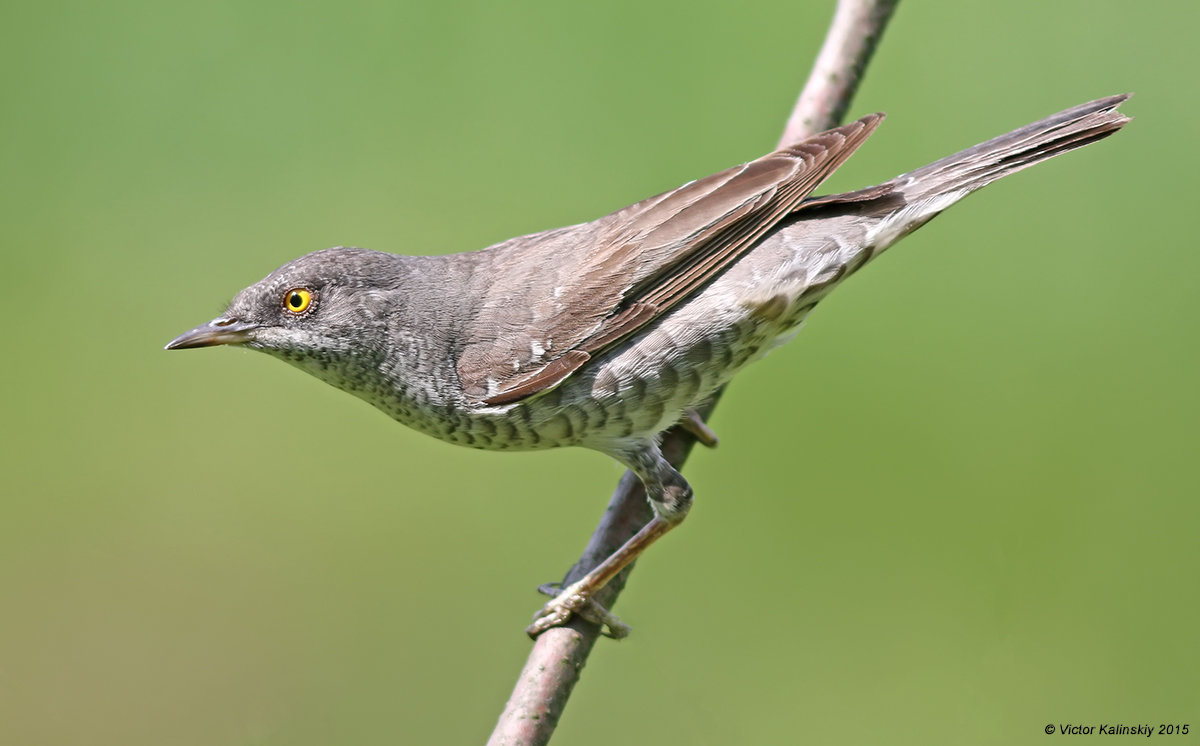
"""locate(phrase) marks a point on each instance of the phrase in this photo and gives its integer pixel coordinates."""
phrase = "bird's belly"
(632, 393)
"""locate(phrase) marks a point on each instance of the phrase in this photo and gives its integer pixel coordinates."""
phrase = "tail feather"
(927, 191)
(979, 166)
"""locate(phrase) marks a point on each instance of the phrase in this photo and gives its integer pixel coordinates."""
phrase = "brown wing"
(569, 294)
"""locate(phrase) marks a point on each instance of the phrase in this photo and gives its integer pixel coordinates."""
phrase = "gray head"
(317, 311)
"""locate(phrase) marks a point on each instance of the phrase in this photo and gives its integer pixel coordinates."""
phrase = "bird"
(605, 334)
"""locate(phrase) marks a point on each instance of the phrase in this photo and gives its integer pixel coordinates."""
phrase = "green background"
(960, 506)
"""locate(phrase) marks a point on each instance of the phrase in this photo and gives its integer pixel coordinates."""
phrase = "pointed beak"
(219, 331)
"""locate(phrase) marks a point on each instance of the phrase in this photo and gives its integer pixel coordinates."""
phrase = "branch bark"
(855, 32)
(559, 654)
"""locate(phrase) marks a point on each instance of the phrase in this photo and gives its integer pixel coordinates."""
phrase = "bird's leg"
(695, 424)
(671, 497)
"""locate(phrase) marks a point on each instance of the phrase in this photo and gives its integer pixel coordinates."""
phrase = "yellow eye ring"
(297, 300)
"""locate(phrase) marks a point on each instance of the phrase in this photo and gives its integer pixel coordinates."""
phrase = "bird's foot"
(574, 599)
(694, 424)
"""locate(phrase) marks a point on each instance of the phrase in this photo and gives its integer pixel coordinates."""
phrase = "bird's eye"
(298, 300)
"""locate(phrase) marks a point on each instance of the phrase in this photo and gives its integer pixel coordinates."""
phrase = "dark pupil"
(295, 300)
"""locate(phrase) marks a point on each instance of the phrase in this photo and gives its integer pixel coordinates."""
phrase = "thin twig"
(855, 32)
(559, 654)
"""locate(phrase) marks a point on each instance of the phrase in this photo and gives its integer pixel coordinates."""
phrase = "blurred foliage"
(960, 506)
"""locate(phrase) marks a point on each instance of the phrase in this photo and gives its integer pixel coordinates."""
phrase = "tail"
(979, 166)
(911, 200)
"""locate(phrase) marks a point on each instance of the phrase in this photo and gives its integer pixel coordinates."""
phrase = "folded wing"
(577, 291)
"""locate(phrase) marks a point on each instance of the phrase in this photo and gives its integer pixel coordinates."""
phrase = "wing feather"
(569, 294)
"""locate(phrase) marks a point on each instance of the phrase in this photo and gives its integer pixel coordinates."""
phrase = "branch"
(559, 654)
(852, 38)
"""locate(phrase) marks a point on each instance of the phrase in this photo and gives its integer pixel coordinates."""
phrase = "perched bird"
(604, 334)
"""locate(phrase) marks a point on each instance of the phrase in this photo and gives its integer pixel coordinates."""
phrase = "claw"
(559, 610)
(577, 597)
